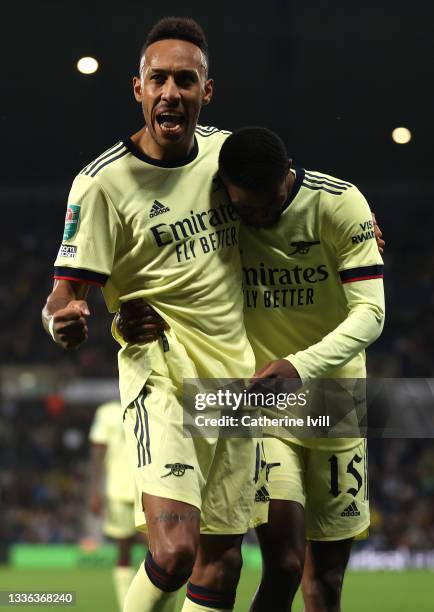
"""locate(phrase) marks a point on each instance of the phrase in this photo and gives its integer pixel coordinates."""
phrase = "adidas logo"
(262, 495)
(158, 209)
(352, 510)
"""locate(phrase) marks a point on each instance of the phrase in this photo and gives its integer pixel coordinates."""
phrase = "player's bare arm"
(66, 311)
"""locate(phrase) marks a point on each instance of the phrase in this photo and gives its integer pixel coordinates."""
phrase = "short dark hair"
(254, 158)
(179, 28)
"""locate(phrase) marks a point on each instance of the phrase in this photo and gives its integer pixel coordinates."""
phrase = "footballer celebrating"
(314, 301)
(145, 220)
(312, 277)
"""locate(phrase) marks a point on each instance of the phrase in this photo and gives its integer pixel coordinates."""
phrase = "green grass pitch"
(363, 591)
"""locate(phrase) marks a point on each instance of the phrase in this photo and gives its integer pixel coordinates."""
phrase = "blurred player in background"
(112, 489)
(313, 295)
(145, 219)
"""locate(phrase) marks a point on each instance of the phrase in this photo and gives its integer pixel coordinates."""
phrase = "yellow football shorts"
(215, 475)
(119, 519)
(332, 486)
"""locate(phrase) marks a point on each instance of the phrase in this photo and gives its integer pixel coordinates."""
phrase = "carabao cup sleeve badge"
(71, 221)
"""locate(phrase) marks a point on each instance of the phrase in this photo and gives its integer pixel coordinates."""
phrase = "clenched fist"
(70, 324)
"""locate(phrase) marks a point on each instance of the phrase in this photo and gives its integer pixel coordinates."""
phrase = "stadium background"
(333, 79)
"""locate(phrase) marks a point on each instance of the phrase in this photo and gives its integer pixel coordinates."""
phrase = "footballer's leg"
(213, 583)
(226, 510)
(280, 524)
(323, 575)
(124, 546)
(173, 532)
(123, 573)
(282, 542)
(168, 488)
(337, 512)
(119, 525)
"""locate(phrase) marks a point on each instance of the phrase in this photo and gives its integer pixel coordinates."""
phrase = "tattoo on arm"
(176, 517)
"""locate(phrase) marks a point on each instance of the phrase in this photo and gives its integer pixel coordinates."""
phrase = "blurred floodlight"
(87, 65)
(401, 135)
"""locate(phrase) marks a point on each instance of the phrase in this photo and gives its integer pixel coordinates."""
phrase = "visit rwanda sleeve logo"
(71, 221)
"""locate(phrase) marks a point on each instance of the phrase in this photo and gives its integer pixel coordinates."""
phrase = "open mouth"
(170, 123)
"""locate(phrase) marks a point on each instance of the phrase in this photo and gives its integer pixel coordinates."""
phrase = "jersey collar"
(299, 178)
(177, 163)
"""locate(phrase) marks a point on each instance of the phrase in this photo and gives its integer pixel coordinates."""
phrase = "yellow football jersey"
(139, 227)
(107, 429)
(313, 284)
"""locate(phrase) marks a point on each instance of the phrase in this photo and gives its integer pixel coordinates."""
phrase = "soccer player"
(145, 219)
(112, 489)
(313, 302)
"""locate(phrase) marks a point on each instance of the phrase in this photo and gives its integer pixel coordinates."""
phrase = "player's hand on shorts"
(279, 368)
(378, 235)
(96, 503)
(278, 376)
(70, 324)
(138, 322)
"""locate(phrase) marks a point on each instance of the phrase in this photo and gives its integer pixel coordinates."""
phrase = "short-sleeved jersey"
(294, 273)
(167, 233)
(107, 429)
